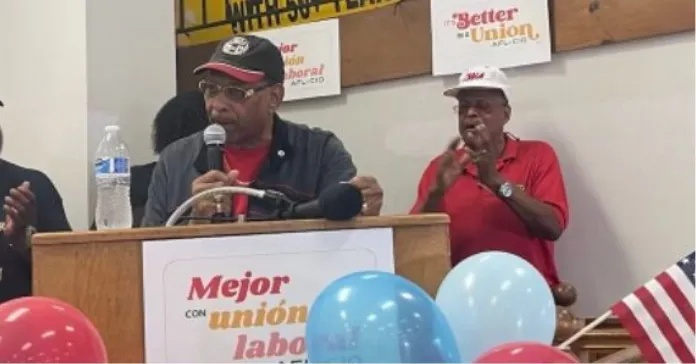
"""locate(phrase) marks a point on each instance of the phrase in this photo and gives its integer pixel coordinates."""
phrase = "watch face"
(506, 189)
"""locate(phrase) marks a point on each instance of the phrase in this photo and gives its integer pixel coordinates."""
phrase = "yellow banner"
(205, 21)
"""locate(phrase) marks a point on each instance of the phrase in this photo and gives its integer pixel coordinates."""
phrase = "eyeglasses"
(481, 105)
(233, 93)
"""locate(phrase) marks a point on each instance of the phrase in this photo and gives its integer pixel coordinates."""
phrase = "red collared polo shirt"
(482, 221)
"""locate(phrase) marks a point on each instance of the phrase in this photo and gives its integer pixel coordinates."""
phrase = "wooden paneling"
(386, 44)
(605, 341)
(394, 42)
(589, 23)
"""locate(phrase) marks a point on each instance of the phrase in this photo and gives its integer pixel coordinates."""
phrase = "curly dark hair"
(181, 116)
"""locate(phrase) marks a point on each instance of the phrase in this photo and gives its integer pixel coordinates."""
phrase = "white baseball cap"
(481, 77)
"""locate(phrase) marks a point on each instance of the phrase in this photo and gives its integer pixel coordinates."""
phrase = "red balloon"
(525, 352)
(45, 330)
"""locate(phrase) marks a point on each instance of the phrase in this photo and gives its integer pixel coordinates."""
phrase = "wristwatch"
(505, 190)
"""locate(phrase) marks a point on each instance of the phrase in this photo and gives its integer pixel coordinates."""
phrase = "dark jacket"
(302, 162)
(15, 270)
(140, 182)
(15, 273)
(49, 205)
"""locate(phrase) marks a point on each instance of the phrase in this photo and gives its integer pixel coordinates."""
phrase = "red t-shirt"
(248, 162)
(481, 221)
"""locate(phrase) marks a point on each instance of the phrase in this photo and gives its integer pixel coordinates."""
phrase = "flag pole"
(598, 321)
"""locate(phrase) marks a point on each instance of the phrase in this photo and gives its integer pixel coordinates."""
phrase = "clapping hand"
(479, 145)
(451, 166)
(20, 211)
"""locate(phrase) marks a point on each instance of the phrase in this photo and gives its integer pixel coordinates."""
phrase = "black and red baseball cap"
(247, 58)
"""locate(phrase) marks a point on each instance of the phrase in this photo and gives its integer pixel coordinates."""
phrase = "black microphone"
(214, 137)
(342, 201)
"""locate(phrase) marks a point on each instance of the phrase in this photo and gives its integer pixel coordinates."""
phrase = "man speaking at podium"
(243, 88)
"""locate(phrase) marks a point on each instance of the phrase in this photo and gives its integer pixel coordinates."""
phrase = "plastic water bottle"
(112, 172)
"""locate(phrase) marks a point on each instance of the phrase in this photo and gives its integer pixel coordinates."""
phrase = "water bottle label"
(101, 166)
(118, 165)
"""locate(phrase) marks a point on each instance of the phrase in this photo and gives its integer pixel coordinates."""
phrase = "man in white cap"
(501, 193)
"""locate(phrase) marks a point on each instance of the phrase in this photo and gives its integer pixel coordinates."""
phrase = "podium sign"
(246, 298)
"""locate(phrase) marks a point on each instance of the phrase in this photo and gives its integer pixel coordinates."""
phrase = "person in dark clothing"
(181, 116)
(16, 181)
(243, 87)
(15, 265)
(23, 188)
(31, 203)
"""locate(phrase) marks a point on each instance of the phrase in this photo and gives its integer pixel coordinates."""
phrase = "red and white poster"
(498, 33)
(246, 298)
(312, 56)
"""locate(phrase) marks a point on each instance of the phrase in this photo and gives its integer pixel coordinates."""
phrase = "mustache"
(229, 119)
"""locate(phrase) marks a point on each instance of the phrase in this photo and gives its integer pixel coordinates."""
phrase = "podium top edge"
(265, 227)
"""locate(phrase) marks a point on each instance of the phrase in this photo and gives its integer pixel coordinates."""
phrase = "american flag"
(659, 316)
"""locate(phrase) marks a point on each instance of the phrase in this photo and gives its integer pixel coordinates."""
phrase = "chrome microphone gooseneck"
(176, 215)
(277, 198)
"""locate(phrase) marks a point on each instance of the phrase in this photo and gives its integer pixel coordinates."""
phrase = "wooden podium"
(101, 272)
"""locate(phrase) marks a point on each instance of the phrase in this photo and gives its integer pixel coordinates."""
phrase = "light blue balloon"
(493, 298)
(377, 317)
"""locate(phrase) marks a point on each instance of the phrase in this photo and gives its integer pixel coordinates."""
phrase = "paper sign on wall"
(312, 58)
(499, 33)
(246, 298)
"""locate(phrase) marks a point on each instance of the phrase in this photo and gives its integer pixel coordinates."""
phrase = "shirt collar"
(509, 154)
(280, 149)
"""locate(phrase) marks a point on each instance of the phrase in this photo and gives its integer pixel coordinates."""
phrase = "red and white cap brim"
(241, 74)
(476, 84)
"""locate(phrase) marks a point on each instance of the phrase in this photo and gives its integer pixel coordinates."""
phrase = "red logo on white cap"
(474, 76)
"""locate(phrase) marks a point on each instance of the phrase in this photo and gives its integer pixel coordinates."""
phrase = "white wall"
(621, 118)
(68, 68)
(131, 62)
